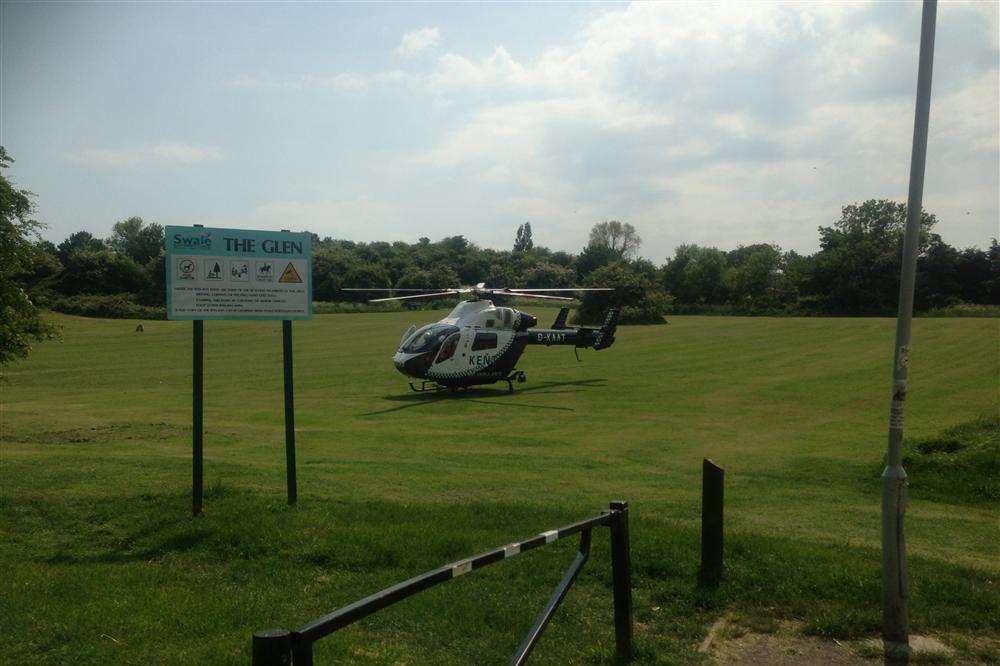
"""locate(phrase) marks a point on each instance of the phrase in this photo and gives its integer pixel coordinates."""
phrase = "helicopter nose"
(399, 360)
(412, 365)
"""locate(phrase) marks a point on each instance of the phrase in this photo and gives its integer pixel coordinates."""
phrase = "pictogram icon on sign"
(213, 269)
(264, 272)
(239, 271)
(187, 269)
(290, 275)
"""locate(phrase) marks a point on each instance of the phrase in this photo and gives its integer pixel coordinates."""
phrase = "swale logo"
(203, 240)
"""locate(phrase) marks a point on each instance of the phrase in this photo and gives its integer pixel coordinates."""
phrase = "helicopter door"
(448, 348)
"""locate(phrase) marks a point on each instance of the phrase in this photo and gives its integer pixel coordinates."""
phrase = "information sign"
(238, 274)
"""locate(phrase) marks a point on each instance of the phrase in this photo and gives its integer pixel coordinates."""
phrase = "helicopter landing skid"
(427, 386)
(516, 376)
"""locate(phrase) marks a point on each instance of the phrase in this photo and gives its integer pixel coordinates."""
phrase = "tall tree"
(523, 241)
(754, 276)
(20, 321)
(330, 265)
(594, 257)
(697, 274)
(993, 287)
(76, 241)
(547, 274)
(44, 266)
(857, 268)
(937, 283)
(639, 301)
(621, 238)
(136, 239)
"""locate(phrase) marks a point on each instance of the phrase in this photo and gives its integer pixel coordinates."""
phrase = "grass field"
(102, 562)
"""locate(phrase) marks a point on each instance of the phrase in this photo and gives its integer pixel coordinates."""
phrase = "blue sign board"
(238, 274)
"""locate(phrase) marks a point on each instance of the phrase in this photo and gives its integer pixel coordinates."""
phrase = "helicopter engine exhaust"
(525, 321)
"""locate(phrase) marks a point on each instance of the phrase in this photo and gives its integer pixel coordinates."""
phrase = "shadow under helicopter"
(473, 394)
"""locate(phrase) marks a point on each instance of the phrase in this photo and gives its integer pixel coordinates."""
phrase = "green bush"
(638, 299)
(348, 307)
(155, 292)
(965, 310)
(110, 306)
(102, 271)
(439, 276)
(547, 274)
(43, 295)
(649, 310)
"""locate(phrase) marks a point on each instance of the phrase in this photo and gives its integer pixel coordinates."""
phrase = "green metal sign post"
(286, 343)
(237, 274)
(197, 427)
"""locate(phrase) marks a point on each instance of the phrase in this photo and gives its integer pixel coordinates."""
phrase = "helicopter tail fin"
(560, 322)
(606, 334)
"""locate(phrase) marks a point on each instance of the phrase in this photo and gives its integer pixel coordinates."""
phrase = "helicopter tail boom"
(582, 336)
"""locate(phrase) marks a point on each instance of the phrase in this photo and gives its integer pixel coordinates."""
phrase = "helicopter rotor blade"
(541, 297)
(563, 289)
(403, 298)
(479, 289)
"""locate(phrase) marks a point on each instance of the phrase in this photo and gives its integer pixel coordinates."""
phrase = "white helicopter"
(481, 343)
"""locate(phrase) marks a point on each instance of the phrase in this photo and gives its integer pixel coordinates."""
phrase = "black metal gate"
(280, 647)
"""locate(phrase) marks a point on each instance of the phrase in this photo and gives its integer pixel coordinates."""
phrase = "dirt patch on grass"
(105, 433)
(734, 645)
(782, 643)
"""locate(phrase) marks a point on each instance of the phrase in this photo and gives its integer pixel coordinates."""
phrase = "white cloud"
(168, 152)
(457, 72)
(709, 123)
(416, 41)
(727, 123)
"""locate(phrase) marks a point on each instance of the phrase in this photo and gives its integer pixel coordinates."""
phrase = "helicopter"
(479, 342)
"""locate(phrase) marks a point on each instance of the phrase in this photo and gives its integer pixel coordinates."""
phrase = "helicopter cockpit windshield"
(427, 338)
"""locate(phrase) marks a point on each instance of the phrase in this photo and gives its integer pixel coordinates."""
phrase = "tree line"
(854, 272)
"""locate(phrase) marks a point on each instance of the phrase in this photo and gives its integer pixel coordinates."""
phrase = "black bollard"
(712, 481)
(272, 648)
(621, 573)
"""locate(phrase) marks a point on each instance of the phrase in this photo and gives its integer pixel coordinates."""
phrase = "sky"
(716, 124)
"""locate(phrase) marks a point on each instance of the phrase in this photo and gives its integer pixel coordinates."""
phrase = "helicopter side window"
(484, 341)
(428, 338)
(505, 318)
